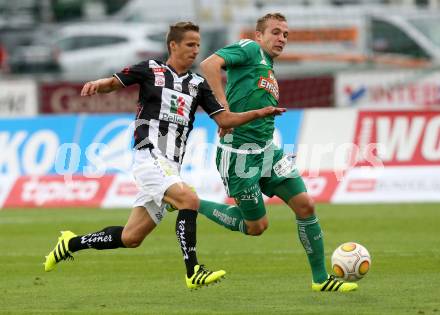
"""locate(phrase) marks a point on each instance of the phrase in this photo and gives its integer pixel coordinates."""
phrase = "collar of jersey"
(268, 57)
(175, 72)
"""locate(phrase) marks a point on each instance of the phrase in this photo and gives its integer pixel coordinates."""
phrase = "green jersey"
(251, 85)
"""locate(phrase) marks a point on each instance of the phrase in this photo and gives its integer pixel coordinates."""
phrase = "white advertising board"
(388, 90)
(18, 98)
(389, 184)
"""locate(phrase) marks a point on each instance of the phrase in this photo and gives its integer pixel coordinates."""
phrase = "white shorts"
(153, 174)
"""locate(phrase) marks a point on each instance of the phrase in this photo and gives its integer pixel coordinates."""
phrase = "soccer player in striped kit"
(169, 95)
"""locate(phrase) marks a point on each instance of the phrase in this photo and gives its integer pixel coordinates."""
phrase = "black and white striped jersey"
(167, 105)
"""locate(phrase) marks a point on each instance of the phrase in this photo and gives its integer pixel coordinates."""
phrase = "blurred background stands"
(66, 42)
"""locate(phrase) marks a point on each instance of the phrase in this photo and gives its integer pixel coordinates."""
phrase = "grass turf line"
(266, 275)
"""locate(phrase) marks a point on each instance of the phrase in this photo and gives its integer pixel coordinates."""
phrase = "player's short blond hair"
(262, 21)
(178, 30)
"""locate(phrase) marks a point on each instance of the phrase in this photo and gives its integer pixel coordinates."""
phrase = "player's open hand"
(90, 88)
(272, 111)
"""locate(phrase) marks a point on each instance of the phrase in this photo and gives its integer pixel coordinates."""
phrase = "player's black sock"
(186, 235)
(108, 238)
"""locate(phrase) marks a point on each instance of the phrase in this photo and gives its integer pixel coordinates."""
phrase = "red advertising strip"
(361, 185)
(65, 98)
(397, 138)
(127, 189)
(6, 183)
(321, 186)
(55, 191)
(306, 92)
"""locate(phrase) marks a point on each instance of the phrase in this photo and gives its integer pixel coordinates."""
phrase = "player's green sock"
(228, 216)
(310, 235)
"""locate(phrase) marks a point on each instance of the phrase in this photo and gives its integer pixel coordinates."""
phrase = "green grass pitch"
(266, 275)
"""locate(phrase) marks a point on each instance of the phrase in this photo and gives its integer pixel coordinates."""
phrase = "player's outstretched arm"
(227, 119)
(105, 85)
(211, 69)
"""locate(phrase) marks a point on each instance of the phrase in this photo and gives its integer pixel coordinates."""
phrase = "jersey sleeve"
(133, 74)
(207, 100)
(240, 53)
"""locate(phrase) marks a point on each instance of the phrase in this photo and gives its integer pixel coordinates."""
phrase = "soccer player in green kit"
(248, 162)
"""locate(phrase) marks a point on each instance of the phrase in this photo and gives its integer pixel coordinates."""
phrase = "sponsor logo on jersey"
(176, 114)
(252, 193)
(270, 84)
(159, 81)
(173, 118)
(193, 89)
(159, 69)
(159, 77)
(177, 105)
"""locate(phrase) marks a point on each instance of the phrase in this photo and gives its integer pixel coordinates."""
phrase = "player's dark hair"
(178, 30)
(262, 21)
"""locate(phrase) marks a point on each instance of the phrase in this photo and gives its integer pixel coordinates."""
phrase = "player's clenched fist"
(90, 88)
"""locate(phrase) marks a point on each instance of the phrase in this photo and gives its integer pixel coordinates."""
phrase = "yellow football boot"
(60, 252)
(333, 285)
(203, 277)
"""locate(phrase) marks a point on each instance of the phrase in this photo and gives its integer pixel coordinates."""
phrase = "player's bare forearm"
(105, 85)
(228, 119)
(212, 70)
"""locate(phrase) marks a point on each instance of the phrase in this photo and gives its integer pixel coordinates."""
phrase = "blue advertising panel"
(89, 144)
(30, 145)
(106, 143)
(288, 127)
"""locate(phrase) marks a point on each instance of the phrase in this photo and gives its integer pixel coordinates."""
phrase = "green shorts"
(241, 171)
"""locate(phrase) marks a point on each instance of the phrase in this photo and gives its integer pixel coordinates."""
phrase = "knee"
(131, 240)
(305, 209)
(188, 200)
(257, 229)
